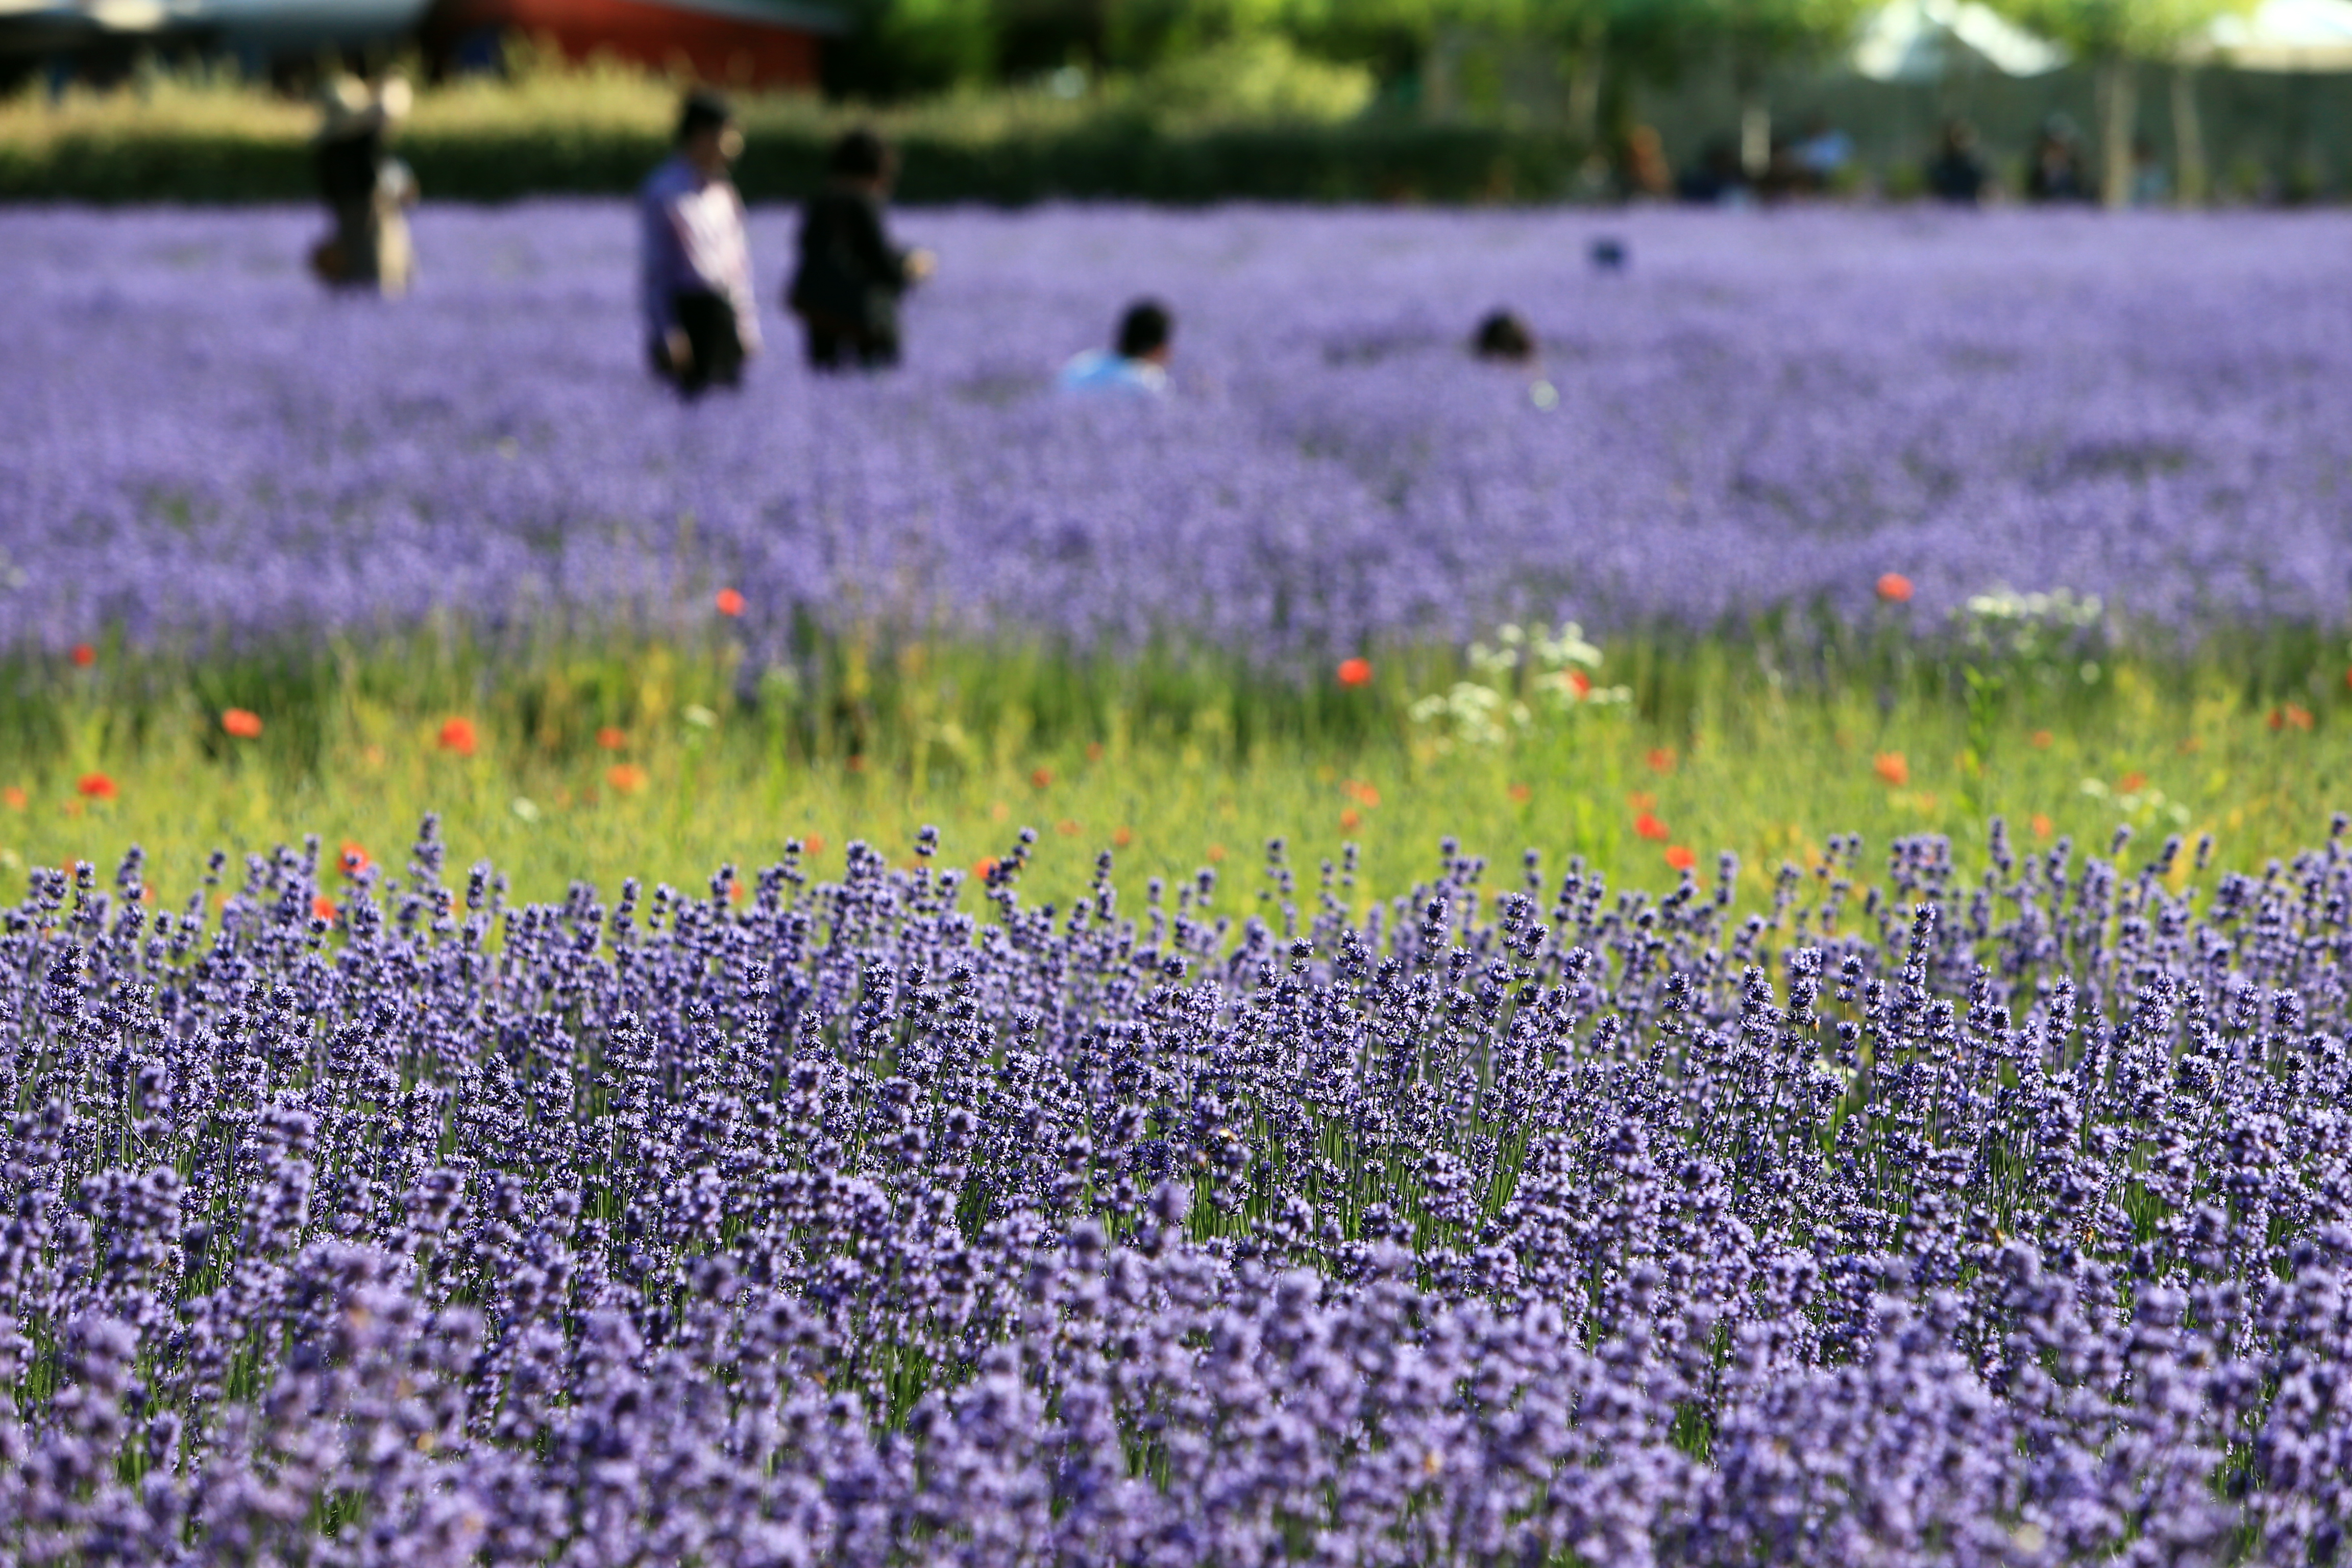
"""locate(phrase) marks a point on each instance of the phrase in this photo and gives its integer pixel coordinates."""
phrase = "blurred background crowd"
(1731, 101)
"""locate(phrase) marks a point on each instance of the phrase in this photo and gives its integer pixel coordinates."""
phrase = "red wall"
(725, 51)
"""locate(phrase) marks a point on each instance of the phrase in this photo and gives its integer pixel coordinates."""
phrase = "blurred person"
(1503, 337)
(850, 279)
(1957, 174)
(1717, 179)
(2151, 183)
(1824, 153)
(367, 191)
(1646, 171)
(701, 318)
(2057, 171)
(1136, 365)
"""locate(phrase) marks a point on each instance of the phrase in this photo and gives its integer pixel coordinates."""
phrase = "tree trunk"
(2195, 183)
(1584, 81)
(2118, 113)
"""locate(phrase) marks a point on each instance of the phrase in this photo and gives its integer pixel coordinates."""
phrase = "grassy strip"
(578, 761)
(597, 131)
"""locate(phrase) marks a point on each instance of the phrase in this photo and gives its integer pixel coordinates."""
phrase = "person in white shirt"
(1136, 366)
(702, 321)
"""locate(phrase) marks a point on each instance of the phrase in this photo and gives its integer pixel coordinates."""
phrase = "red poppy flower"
(731, 603)
(1660, 759)
(96, 786)
(242, 722)
(1355, 673)
(1680, 858)
(1648, 827)
(612, 739)
(354, 859)
(457, 735)
(1891, 767)
(1895, 588)
(626, 777)
(83, 655)
(323, 908)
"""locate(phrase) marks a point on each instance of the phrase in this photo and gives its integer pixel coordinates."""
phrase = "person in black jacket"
(846, 289)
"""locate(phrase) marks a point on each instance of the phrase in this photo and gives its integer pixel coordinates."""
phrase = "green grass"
(1173, 762)
(206, 136)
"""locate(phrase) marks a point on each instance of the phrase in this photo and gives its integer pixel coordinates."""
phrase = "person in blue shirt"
(1136, 366)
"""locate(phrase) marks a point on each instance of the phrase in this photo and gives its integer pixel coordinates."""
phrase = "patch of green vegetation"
(596, 760)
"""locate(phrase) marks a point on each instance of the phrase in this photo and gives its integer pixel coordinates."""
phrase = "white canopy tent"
(2281, 36)
(1929, 40)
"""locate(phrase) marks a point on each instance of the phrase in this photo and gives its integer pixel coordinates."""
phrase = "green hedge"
(1102, 159)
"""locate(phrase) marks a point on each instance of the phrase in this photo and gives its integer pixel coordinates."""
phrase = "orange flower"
(1680, 858)
(1355, 673)
(813, 843)
(1122, 836)
(2042, 826)
(1042, 777)
(1891, 767)
(1522, 793)
(1363, 794)
(96, 786)
(15, 797)
(626, 777)
(612, 739)
(354, 859)
(83, 655)
(2131, 783)
(457, 735)
(1660, 759)
(985, 869)
(735, 894)
(1350, 820)
(323, 908)
(1580, 683)
(244, 724)
(2281, 718)
(1216, 851)
(1895, 588)
(731, 603)
(2041, 740)
(1648, 827)
(1642, 800)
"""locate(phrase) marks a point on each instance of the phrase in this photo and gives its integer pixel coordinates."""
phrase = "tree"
(2114, 36)
(1754, 36)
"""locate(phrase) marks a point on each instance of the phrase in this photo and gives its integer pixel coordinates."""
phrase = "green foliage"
(600, 760)
(2142, 29)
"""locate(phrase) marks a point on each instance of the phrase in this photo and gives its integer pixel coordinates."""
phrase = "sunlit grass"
(664, 762)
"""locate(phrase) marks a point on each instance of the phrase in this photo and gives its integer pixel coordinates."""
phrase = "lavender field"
(1763, 412)
(1961, 1198)
(2000, 1220)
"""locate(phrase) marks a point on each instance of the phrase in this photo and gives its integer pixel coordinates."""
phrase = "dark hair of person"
(859, 154)
(703, 111)
(1144, 329)
(1503, 336)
